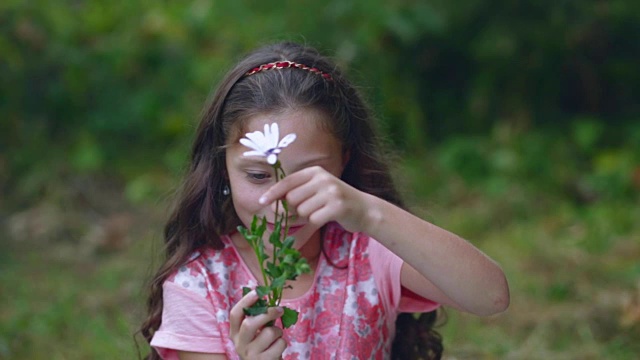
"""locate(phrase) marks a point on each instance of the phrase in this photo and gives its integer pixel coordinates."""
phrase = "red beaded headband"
(287, 64)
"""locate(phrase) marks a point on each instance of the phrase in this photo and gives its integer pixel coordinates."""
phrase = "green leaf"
(302, 267)
(263, 225)
(273, 271)
(288, 259)
(292, 252)
(289, 317)
(245, 290)
(287, 270)
(254, 223)
(255, 310)
(262, 290)
(259, 249)
(278, 282)
(274, 238)
(288, 242)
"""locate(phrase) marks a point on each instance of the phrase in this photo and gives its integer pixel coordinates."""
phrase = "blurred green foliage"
(115, 87)
(519, 119)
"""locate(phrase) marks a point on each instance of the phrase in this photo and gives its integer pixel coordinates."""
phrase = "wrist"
(374, 215)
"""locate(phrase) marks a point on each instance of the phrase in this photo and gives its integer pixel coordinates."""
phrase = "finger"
(320, 183)
(236, 315)
(252, 324)
(310, 205)
(322, 216)
(265, 339)
(298, 195)
(282, 187)
(314, 195)
(276, 349)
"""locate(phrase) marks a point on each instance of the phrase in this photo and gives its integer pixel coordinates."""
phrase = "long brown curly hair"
(202, 214)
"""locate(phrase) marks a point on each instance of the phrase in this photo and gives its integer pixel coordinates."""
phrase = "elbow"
(497, 305)
(501, 303)
(499, 300)
(496, 302)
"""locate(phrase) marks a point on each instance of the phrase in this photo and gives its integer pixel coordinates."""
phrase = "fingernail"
(279, 310)
(262, 200)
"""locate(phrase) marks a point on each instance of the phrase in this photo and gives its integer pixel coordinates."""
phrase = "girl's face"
(250, 177)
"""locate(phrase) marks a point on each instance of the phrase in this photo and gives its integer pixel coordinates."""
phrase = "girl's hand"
(252, 339)
(320, 197)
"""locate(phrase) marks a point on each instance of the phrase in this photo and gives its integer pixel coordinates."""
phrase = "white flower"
(267, 143)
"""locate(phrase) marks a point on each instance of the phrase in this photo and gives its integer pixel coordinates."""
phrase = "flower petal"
(272, 158)
(267, 135)
(286, 140)
(274, 135)
(254, 153)
(250, 144)
(253, 146)
(267, 143)
(259, 140)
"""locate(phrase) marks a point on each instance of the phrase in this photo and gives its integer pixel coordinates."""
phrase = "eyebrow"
(313, 160)
(259, 160)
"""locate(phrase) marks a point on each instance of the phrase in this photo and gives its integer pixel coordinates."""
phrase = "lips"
(292, 229)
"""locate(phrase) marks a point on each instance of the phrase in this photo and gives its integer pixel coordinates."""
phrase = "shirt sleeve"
(188, 324)
(386, 267)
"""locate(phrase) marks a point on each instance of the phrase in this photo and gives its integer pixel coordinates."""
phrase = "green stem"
(275, 294)
(279, 173)
(285, 218)
(273, 298)
(261, 261)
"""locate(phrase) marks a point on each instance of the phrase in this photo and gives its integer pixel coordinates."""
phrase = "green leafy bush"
(95, 88)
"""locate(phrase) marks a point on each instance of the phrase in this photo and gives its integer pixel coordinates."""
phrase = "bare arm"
(438, 264)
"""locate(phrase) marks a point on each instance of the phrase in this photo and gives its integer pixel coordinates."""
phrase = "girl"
(371, 258)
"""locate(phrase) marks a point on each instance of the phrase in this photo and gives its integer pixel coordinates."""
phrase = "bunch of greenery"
(285, 263)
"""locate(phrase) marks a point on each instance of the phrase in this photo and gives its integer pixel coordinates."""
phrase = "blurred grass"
(572, 263)
(569, 278)
(57, 305)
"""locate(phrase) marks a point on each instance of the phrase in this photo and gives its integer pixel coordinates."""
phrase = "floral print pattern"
(341, 317)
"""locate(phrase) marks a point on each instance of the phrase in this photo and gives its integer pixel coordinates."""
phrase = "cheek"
(246, 200)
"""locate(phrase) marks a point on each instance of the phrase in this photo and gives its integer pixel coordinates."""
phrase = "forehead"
(310, 126)
(308, 119)
(289, 121)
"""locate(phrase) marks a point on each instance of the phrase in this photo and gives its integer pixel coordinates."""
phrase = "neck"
(311, 251)
(312, 248)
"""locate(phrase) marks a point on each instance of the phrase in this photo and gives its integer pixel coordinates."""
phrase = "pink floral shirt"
(348, 313)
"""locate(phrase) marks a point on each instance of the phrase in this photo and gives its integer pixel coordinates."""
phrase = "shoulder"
(193, 274)
(379, 267)
(203, 265)
(216, 274)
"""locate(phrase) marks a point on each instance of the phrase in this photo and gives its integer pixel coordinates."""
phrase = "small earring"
(226, 191)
